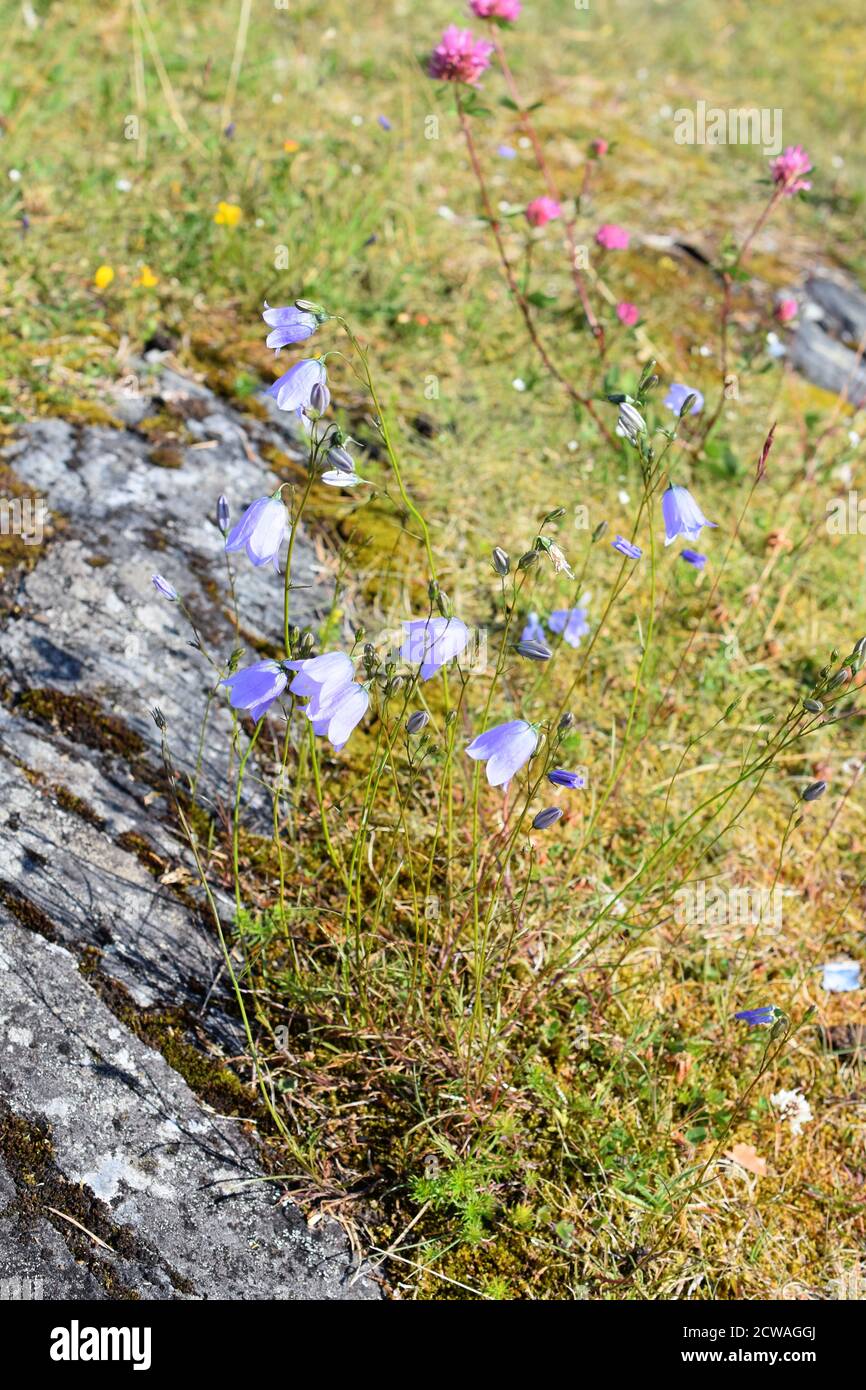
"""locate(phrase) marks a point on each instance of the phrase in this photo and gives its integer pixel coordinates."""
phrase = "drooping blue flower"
(693, 557)
(759, 1018)
(678, 395)
(254, 688)
(682, 515)
(289, 324)
(163, 587)
(336, 702)
(505, 748)
(570, 624)
(261, 531)
(432, 643)
(384, 122)
(841, 976)
(533, 629)
(294, 389)
(560, 777)
(631, 552)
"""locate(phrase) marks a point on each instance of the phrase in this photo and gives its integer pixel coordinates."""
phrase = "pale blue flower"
(289, 324)
(256, 687)
(570, 624)
(505, 748)
(432, 643)
(533, 630)
(260, 531)
(294, 389)
(677, 396)
(841, 976)
(682, 515)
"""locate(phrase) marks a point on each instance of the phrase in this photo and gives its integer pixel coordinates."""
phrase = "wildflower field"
(533, 852)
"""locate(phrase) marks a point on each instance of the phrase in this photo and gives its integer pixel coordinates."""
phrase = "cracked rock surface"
(117, 1180)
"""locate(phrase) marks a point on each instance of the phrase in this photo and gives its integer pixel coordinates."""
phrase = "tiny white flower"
(15, 175)
(446, 213)
(123, 185)
(519, 384)
(623, 496)
(853, 438)
(775, 348)
(524, 142)
(357, 120)
(793, 1107)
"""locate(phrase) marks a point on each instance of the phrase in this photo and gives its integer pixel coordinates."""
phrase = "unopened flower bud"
(599, 531)
(223, 514)
(813, 706)
(501, 562)
(814, 790)
(533, 651)
(566, 722)
(341, 459)
(319, 398)
(416, 722)
(546, 818)
(528, 560)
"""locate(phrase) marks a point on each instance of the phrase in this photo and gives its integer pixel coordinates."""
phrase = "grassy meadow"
(498, 1054)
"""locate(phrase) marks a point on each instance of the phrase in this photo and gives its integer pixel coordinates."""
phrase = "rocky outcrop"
(123, 1174)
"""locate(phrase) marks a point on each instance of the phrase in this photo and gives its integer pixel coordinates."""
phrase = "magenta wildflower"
(599, 148)
(506, 10)
(505, 748)
(788, 170)
(627, 313)
(786, 309)
(612, 237)
(542, 210)
(460, 57)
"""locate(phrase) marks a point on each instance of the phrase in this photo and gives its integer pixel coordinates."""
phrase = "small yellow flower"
(227, 215)
(103, 277)
(291, 146)
(146, 278)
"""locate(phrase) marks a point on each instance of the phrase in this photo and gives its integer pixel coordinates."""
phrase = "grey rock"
(176, 1192)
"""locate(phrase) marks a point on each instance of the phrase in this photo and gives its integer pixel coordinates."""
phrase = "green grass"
(609, 1089)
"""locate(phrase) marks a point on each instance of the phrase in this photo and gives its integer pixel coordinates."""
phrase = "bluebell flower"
(693, 557)
(679, 394)
(759, 1018)
(163, 587)
(256, 687)
(533, 651)
(290, 325)
(506, 152)
(261, 531)
(546, 818)
(841, 975)
(570, 624)
(294, 389)
(533, 629)
(682, 515)
(432, 642)
(384, 122)
(336, 703)
(505, 748)
(562, 778)
(627, 548)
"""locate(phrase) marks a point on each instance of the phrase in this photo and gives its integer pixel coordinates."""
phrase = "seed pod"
(814, 790)
(501, 562)
(813, 706)
(546, 818)
(554, 515)
(841, 678)
(528, 560)
(599, 531)
(416, 722)
(685, 408)
(566, 722)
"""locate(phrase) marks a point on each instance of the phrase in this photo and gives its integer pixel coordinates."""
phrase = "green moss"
(82, 719)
